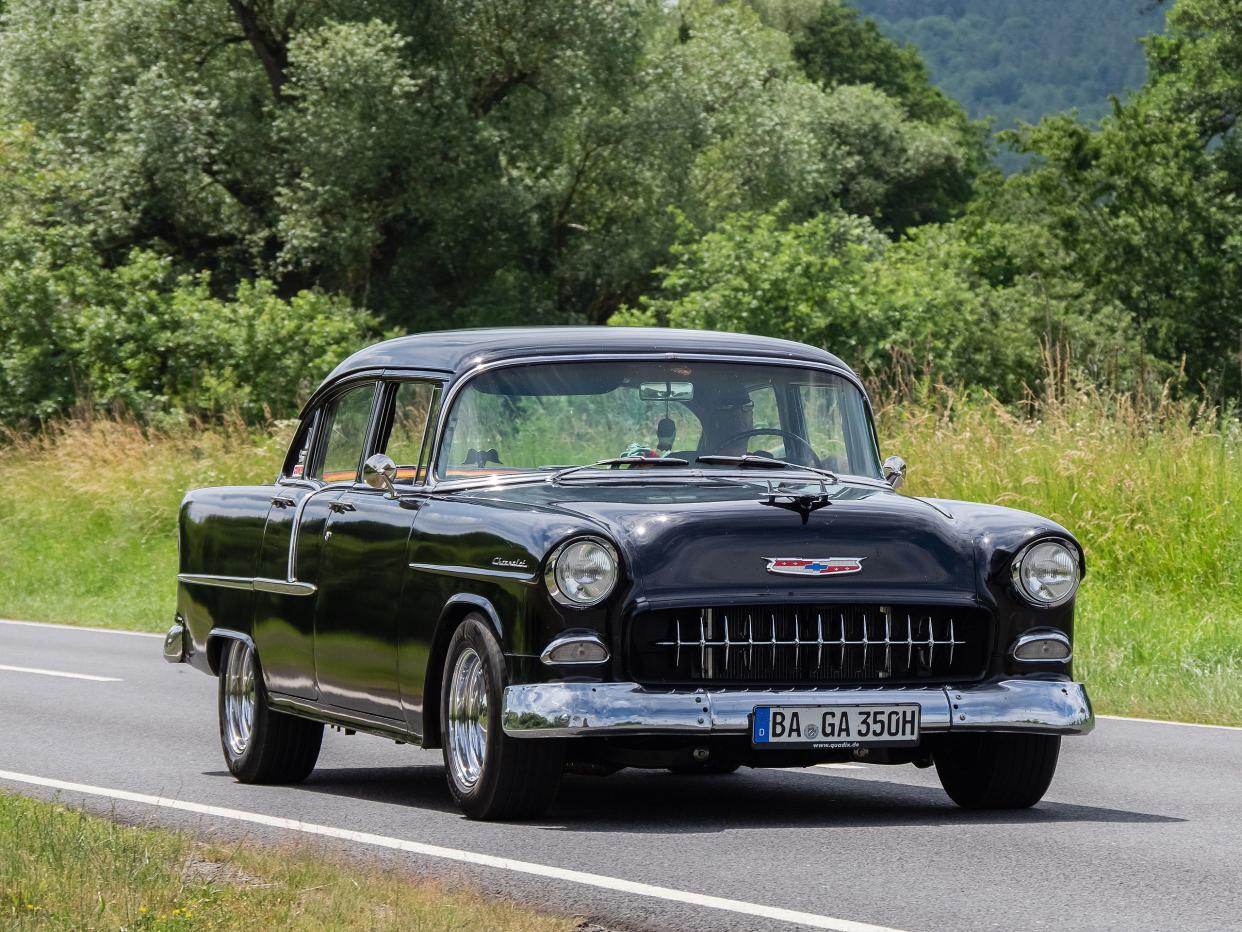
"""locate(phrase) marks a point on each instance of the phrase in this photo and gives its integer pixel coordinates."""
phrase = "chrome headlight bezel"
(1023, 555)
(554, 584)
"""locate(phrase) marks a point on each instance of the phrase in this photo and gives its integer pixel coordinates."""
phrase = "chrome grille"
(792, 644)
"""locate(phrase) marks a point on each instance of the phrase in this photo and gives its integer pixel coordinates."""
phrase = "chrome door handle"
(341, 507)
(281, 502)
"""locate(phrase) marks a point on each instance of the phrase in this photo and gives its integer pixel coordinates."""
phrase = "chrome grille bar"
(858, 640)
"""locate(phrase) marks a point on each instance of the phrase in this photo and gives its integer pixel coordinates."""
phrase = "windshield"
(555, 415)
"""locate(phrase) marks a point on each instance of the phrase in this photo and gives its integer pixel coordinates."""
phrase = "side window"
(299, 450)
(346, 422)
(409, 426)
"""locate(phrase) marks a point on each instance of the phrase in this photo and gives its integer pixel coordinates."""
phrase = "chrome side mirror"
(378, 472)
(894, 471)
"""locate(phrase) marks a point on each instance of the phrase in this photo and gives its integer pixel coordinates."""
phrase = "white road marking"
(841, 766)
(811, 920)
(45, 624)
(72, 676)
(1162, 721)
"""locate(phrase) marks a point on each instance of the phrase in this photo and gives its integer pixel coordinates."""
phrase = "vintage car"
(580, 549)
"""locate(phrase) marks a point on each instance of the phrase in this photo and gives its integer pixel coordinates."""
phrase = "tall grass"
(88, 514)
(64, 869)
(1153, 489)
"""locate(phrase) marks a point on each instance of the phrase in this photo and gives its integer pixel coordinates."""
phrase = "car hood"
(683, 541)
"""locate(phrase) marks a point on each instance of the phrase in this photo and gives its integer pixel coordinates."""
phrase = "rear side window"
(345, 423)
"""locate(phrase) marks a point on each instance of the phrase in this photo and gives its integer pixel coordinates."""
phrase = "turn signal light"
(575, 649)
(1042, 646)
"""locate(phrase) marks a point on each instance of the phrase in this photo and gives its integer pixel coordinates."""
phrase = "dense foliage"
(204, 202)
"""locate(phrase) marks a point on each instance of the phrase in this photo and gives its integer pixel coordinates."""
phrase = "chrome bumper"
(566, 710)
(174, 644)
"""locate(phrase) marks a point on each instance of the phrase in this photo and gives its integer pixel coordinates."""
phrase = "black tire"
(997, 771)
(279, 748)
(516, 778)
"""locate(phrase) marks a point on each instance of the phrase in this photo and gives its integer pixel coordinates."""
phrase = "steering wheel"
(774, 431)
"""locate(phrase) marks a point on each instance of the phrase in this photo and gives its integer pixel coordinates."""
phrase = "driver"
(727, 413)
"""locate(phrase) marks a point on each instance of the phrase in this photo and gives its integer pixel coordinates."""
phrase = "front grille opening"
(809, 644)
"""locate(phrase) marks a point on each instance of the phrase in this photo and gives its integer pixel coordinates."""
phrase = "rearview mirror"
(378, 472)
(666, 391)
(894, 471)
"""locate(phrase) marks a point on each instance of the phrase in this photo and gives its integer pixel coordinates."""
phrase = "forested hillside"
(1020, 60)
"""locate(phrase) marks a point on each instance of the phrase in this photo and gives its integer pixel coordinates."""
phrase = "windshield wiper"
(752, 461)
(621, 461)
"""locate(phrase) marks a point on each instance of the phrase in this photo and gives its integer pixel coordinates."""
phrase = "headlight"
(582, 572)
(1046, 572)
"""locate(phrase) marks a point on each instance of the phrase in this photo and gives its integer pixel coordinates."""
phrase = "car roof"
(458, 351)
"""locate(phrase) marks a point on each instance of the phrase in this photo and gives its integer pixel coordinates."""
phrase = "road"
(1142, 828)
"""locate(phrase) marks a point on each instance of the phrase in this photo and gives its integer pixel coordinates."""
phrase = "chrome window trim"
(460, 381)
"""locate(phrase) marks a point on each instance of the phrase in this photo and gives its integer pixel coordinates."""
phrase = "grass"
(1153, 490)
(65, 869)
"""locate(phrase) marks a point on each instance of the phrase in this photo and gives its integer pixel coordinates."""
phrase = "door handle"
(281, 502)
(341, 507)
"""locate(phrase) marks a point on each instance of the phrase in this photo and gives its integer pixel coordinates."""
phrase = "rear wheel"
(997, 771)
(490, 775)
(261, 745)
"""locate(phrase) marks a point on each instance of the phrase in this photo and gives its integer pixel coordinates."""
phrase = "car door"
(285, 585)
(364, 566)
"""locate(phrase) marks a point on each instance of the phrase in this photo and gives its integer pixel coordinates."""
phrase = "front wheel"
(490, 775)
(997, 771)
(261, 745)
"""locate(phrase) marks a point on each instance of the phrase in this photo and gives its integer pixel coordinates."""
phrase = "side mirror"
(378, 472)
(894, 471)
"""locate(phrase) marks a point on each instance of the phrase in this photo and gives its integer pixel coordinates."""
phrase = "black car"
(583, 549)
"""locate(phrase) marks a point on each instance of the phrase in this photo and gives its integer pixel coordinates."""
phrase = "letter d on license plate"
(835, 726)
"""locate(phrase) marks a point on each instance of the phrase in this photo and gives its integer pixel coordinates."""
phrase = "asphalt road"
(1142, 828)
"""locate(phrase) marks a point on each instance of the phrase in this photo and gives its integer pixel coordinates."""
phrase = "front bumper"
(566, 710)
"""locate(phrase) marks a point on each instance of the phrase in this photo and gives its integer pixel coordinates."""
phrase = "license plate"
(835, 726)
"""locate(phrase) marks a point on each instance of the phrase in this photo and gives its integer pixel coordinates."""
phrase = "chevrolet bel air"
(554, 550)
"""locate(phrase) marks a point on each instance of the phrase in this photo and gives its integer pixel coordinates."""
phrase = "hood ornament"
(802, 502)
(814, 566)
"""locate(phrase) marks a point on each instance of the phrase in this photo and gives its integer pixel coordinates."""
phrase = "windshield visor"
(548, 416)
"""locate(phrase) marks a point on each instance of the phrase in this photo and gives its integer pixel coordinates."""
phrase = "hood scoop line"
(803, 503)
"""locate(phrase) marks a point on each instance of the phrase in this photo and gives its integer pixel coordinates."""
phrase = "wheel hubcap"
(467, 719)
(239, 698)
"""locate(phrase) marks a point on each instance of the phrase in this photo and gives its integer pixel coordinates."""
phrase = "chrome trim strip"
(258, 583)
(1044, 634)
(572, 637)
(564, 710)
(331, 715)
(222, 582)
(461, 380)
(283, 586)
(474, 572)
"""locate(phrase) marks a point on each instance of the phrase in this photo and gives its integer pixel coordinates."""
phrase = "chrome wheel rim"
(239, 698)
(467, 719)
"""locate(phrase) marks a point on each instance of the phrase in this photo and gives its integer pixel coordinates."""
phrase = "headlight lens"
(1047, 572)
(582, 572)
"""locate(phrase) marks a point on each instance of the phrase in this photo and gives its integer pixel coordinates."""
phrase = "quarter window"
(347, 419)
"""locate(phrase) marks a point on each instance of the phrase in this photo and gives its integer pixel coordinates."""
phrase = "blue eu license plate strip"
(836, 726)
